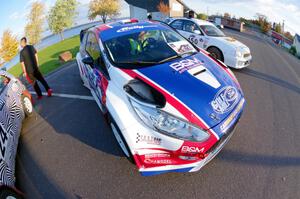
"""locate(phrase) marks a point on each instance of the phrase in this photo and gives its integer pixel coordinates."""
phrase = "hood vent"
(204, 75)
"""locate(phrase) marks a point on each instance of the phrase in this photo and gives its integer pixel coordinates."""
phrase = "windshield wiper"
(188, 53)
(170, 58)
(176, 56)
(138, 62)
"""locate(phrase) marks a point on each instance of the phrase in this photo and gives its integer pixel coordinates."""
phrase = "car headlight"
(166, 123)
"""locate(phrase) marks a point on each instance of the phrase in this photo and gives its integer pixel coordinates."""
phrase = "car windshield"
(212, 31)
(144, 48)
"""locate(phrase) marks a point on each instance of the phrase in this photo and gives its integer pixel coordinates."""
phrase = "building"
(280, 39)
(296, 43)
(141, 8)
(227, 22)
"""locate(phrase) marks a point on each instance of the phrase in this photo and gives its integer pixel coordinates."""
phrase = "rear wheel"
(120, 139)
(7, 193)
(216, 53)
(27, 106)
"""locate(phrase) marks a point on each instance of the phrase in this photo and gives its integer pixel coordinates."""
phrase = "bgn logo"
(192, 149)
(186, 64)
(225, 100)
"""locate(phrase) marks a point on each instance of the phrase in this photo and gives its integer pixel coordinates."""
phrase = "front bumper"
(242, 62)
(193, 167)
(230, 122)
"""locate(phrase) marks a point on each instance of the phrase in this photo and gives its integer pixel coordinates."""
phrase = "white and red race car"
(171, 106)
(207, 36)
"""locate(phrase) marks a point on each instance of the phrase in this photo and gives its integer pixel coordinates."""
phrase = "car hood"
(200, 84)
(231, 42)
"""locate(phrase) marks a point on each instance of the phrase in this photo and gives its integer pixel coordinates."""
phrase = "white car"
(207, 36)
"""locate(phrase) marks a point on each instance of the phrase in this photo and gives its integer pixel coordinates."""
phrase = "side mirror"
(197, 32)
(88, 61)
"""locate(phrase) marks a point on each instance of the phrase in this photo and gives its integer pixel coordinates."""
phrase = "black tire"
(115, 128)
(6, 192)
(27, 105)
(216, 53)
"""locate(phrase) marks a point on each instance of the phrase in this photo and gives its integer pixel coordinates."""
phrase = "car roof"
(198, 21)
(119, 28)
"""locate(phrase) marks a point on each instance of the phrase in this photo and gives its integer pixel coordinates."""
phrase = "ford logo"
(225, 100)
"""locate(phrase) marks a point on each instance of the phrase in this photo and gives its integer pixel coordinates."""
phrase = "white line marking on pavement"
(83, 97)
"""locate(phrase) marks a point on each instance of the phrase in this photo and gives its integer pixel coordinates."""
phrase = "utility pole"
(282, 27)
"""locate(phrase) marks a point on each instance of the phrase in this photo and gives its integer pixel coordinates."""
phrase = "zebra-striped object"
(11, 116)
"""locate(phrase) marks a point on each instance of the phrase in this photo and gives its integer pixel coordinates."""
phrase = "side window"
(93, 49)
(92, 46)
(190, 26)
(3, 82)
(177, 24)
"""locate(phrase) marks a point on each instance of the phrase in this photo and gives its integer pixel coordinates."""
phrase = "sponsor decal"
(225, 100)
(192, 149)
(181, 47)
(186, 64)
(230, 39)
(157, 155)
(133, 28)
(147, 139)
(158, 161)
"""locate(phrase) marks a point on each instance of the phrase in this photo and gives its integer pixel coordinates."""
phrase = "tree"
(278, 28)
(163, 8)
(227, 15)
(103, 8)
(202, 16)
(289, 35)
(9, 46)
(262, 21)
(34, 27)
(61, 16)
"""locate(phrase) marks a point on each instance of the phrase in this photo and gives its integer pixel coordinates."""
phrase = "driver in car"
(140, 43)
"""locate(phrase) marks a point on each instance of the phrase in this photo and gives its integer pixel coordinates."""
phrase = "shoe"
(50, 91)
(40, 97)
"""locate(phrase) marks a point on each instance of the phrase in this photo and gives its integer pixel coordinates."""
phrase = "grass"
(49, 56)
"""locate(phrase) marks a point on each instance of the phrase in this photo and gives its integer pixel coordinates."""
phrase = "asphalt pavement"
(66, 150)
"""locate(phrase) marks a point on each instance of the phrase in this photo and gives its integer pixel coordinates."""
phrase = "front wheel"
(7, 193)
(120, 139)
(27, 106)
(216, 53)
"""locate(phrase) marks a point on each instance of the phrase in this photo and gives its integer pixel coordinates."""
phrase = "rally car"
(15, 104)
(171, 106)
(207, 36)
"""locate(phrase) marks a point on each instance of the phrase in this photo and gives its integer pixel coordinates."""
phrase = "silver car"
(15, 105)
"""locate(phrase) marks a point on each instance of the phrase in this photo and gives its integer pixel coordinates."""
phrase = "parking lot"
(67, 150)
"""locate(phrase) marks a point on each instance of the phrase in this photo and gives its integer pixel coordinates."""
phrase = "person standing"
(29, 63)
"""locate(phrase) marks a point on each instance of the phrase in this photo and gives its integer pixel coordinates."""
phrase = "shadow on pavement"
(31, 174)
(269, 78)
(81, 120)
(257, 159)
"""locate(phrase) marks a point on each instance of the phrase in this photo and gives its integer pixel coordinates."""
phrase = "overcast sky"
(14, 12)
